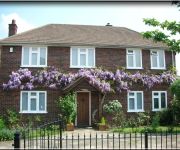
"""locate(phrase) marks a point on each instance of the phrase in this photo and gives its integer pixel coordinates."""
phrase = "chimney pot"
(12, 28)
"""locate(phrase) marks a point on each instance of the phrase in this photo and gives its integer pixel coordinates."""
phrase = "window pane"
(138, 58)
(33, 104)
(41, 101)
(83, 59)
(91, 57)
(82, 50)
(163, 100)
(33, 93)
(26, 56)
(130, 61)
(34, 59)
(161, 59)
(74, 56)
(156, 103)
(154, 61)
(131, 94)
(139, 100)
(130, 51)
(42, 56)
(24, 101)
(131, 103)
(156, 94)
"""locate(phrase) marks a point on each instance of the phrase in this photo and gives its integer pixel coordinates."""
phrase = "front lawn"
(149, 129)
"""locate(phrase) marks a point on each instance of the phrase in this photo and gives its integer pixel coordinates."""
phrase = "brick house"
(67, 47)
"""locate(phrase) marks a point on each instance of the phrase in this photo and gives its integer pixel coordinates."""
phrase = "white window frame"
(159, 100)
(37, 102)
(134, 58)
(30, 56)
(158, 67)
(86, 53)
(135, 101)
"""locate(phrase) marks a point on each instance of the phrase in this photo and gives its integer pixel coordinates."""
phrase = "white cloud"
(22, 24)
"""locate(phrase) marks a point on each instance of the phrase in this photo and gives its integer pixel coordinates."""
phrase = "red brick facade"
(109, 58)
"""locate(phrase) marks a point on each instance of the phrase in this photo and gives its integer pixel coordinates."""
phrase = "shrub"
(113, 107)
(175, 89)
(166, 117)
(67, 107)
(119, 120)
(6, 134)
(155, 121)
(13, 118)
(143, 118)
(103, 121)
(2, 124)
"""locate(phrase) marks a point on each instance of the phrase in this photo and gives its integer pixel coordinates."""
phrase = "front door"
(82, 109)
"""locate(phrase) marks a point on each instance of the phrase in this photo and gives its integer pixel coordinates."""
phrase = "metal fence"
(52, 136)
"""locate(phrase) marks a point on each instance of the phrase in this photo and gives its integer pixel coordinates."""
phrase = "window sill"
(158, 109)
(33, 66)
(81, 67)
(33, 112)
(158, 68)
(134, 68)
(132, 111)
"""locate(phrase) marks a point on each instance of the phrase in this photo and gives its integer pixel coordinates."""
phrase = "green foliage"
(155, 121)
(176, 110)
(172, 27)
(6, 134)
(2, 123)
(13, 118)
(132, 122)
(67, 107)
(175, 89)
(113, 107)
(143, 118)
(119, 120)
(166, 117)
(103, 121)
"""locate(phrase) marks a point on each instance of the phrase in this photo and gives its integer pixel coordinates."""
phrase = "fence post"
(146, 140)
(60, 126)
(16, 141)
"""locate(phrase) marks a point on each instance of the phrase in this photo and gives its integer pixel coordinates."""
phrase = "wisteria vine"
(105, 81)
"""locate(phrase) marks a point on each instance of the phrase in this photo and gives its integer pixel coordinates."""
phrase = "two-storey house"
(72, 47)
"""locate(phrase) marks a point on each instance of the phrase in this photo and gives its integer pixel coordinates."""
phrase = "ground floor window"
(33, 102)
(159, 100)
(135, 101)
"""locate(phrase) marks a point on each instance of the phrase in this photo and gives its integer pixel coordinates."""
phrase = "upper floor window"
(33, 102)
(134, 58)
(159, 100)
(34, 57)
(135, 101)
(82, 57)
(157, 59)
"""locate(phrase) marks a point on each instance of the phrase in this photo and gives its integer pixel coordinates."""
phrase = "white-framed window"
(133, 58)
(82, 57)
(33, 102)
(135, 101)
(159, 100)
(157, 59)
(34, 56)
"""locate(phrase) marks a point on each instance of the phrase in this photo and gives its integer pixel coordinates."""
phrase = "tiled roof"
(82, 35)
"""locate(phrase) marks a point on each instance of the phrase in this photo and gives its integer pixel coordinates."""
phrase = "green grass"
(150, 129)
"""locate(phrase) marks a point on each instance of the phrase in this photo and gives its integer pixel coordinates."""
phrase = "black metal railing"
(51, 136)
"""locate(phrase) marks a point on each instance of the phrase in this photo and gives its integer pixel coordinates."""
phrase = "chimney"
(12, 28)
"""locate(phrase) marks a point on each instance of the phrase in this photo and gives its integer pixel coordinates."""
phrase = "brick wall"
(110, 59)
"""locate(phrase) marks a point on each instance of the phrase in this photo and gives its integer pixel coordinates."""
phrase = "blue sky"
(31, 15)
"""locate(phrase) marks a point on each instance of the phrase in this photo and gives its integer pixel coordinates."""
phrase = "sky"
(130, 15)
